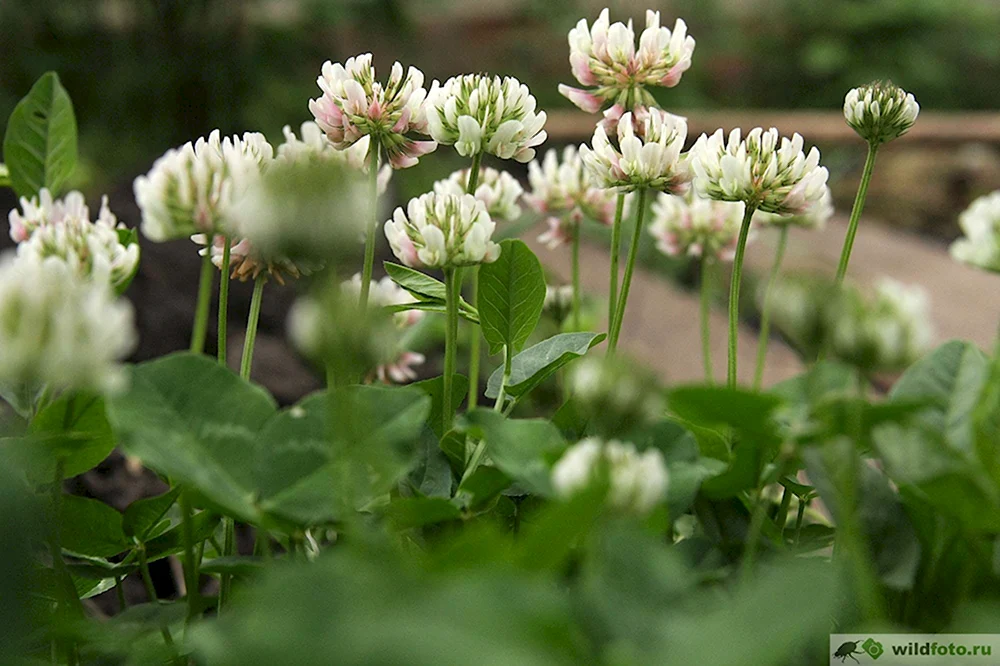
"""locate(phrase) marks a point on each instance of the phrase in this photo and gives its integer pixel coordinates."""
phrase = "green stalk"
(633, 251)
(147, 580)
(476, 341)
(223, 300)
(734, 294)
(502, 394)
(706, 327)
(799, 515)
(191, 576)
(70, 604)
(251, 335)
(452, 292)
(120, 593)
(765, 317)
(366, 274)
(786, 501)
(859, 204)
(576, 276)
(204, 301)
(753, 536)
(616, 242)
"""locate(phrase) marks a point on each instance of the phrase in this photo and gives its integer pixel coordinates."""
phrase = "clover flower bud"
(604, 57)
(314, 147)
(59, 330)
(643, 157)
(355, 105)
(637, 482)
(619, 394)
(694, 227)
(880, 111)
(478, 113)
(191, 189)
(768, 172)
(814, 217)
(441, 231)
(62, 229)
(980, 223)
(499, 190)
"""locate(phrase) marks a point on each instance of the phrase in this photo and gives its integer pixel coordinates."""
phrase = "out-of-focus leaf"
(143, 517)
(435, 389)
(236, 565)
(408, 512)
(520, 448)
(90, 527)
(483, 485)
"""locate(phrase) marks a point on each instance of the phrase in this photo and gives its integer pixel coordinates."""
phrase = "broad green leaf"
(74, 427)
(484, 485)
(432, 475)
(547, 540)
(521, 448)
(986, 423)
(143, 517)
(171, 542)
(40, 144)
(90, 527)
(466, 312)
(421, 285)
(409, 512)
(539, 362)
(951, 378)
(744, 411)
(511, 295)
(435, 389)
(195, 421)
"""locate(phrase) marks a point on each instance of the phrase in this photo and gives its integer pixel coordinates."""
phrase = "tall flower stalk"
(879, 112)
(734, 296)
(200, 327)
(452, 292)
(476, 341)
(366, 272)
(765, 317)
(224, 299)
(616, 249)
(249, 340)
(705, 312)
(633, 252)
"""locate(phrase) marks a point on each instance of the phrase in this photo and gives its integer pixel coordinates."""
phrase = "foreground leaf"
(511, 296)
(539, 362)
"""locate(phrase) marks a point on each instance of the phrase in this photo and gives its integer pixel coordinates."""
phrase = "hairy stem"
(734, 294)
(246, 363)
(859, 204)
(633, 252)
(200, 329)
(765, 317)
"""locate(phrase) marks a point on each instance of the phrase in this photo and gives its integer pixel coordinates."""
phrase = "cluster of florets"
(441, 231)
(498, 190)
(637, 482)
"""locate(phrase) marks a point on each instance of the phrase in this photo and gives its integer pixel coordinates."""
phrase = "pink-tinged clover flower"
(442, 230)
(355, 105)
(499, 190)
(604, 58)
(694, 227)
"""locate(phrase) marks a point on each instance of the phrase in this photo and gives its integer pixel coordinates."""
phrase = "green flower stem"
(204, 301)
(859, 204)
(576, 276)
(502, 394)
(223, 300)
(452, 292)
(753, 536)
(734, 294)
(70, 603)
(633, 252)
(120, 593)
(366, 271)
(800, 513)
(246, 363)
(706, 326)
(191, 576)
(147, 580)
(616, 243)
(476, 341)
(228, 550)
(786, 501)
(765, 317)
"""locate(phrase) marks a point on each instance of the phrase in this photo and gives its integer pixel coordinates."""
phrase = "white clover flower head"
(62, 228)
(191, 189)
(442, 231)
(637, 482)
(880, 111)
(479, 113)
(60, 330)
(604, 58)
(766, 171)
(694, 227)
(814, 217)
(314, 148)
(643, 157)
(385, 293)
(980, 245)
(355, 105)
(887, 331)
(499, 190)
(559, 301)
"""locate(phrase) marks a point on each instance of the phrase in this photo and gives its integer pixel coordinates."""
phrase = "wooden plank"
(565, 126)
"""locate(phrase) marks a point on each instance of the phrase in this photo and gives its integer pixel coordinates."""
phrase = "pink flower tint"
(584, 100)
(559, 233)
(401, 370)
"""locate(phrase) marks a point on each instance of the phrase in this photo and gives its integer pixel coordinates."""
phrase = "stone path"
(661, 323)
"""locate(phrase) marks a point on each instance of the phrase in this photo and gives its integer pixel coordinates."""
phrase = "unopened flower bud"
(880, 111)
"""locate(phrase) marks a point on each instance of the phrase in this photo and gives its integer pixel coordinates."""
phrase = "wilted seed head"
(880, 111)
(479, 113)
(498, 190)
(442, 231)
(636, 481)
(980, 246)
(60, 330)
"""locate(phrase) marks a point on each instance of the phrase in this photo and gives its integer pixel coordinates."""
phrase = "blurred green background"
(147, 75)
